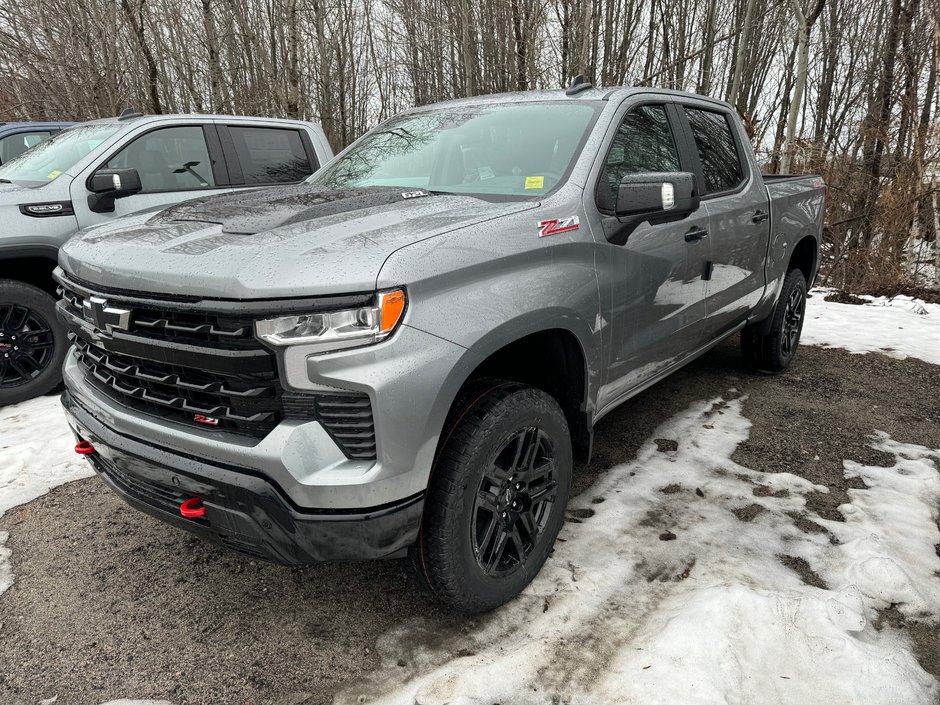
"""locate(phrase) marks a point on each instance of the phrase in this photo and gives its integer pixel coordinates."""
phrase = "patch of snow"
(712, 616)
(899, 327)
(36, 454)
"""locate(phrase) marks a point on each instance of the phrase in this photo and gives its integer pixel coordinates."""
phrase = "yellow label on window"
(534, 182)
(56, 174)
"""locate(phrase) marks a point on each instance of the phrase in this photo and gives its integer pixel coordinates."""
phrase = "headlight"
(335, 330)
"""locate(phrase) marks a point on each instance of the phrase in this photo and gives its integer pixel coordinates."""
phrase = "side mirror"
(106, 185)
(657, 197)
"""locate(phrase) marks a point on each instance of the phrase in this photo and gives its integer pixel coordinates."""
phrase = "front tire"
(496, 499)
(774, 351)
(33, 342)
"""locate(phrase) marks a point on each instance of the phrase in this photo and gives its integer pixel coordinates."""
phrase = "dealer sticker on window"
(534, 182)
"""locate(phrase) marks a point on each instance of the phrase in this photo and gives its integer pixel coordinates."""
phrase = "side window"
(270, 155)
(717, 151)
(14, 145)
(168, 159)
(643, 143)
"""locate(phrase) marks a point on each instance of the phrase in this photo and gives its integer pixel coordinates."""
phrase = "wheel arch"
(31, 265)
(553, 359)
(805, 257)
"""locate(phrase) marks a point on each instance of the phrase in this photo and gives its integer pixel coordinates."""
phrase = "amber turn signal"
(391, 308)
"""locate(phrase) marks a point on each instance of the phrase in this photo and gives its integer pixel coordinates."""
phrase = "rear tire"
(773, 352)
(496, 498)
(33, 342)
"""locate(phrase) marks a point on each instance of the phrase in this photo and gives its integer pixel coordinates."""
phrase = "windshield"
(47, 160)
(520, 149)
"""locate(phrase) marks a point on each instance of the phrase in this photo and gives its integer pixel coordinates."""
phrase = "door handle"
(696, 234)
(759, 217)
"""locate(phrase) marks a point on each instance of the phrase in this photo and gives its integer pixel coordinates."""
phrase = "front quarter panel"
(486, 286)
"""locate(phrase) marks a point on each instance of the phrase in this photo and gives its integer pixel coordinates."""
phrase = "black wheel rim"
(792, 321)
(514, 502)
(26, 345)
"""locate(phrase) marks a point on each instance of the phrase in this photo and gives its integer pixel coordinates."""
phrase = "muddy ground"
(109, 603)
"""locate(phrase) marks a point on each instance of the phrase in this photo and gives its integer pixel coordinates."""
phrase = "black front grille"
(203, 368)
(246, 404)
(189, 327)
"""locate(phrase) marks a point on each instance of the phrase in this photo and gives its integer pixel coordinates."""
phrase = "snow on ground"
(36, 454)
(899, 327)
(664, 595)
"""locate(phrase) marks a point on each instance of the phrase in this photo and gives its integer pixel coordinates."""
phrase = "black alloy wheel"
(792, 321)
(27, 345)
(496, 497)
(513, 502)
(33, 342)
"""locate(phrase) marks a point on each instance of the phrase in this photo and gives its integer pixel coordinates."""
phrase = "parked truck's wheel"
(774, 351)
(33, 342)
(496, 499)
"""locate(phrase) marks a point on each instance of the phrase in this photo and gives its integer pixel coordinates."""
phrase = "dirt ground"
(109, 603)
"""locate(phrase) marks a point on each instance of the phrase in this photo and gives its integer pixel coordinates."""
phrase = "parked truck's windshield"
(48, 160)
(512, 149)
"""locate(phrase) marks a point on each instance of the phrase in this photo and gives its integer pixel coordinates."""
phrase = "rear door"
(654, 309)
(264, 155)
(739, 223)
(175, 163)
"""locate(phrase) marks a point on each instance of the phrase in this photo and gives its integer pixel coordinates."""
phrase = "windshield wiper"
(5, 181)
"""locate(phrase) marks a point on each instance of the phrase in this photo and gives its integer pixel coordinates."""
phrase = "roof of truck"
(593, 93)
(136, 117)
(10, 126)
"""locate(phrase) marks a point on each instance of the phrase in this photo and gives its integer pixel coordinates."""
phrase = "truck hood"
(271, 243)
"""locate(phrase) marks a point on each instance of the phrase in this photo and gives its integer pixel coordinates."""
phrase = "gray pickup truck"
(97, 172)
(407, 354)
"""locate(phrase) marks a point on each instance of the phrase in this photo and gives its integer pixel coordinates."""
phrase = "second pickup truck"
(409, 352)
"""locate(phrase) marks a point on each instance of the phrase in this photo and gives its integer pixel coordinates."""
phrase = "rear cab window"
(717, 150)
(270, 155)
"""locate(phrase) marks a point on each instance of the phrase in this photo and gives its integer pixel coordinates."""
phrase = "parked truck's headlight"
(335, 330)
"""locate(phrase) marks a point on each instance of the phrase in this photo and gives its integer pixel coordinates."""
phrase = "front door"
(174, 165)
(653, 284)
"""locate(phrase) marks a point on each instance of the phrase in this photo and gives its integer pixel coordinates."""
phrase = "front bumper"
(244, 510)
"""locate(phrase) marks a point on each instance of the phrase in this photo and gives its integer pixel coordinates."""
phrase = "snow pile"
(36, 454)
(675, 590)
(900, 327)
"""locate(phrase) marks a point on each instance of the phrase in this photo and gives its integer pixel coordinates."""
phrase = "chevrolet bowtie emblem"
(103, 317)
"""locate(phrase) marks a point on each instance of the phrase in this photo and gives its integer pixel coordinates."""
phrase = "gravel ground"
(109, 603)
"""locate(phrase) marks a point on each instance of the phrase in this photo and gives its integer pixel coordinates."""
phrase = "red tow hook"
(84, 448)
(192, 508)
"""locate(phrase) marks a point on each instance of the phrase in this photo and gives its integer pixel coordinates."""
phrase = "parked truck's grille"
(191, 327)
(246, 404)
(205, 369)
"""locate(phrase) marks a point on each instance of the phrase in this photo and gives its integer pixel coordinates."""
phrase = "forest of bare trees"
(845, 88)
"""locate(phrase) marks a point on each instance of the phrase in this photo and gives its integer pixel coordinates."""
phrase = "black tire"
(482, 492)
(773, 352)
(33, 342)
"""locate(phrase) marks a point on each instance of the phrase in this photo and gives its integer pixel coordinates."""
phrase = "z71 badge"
(558, 225)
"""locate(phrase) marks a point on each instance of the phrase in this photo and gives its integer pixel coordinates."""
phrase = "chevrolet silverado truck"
(407, 354)
(97, 172)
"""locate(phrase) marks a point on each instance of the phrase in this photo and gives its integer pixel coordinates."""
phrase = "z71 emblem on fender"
(558, 225)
